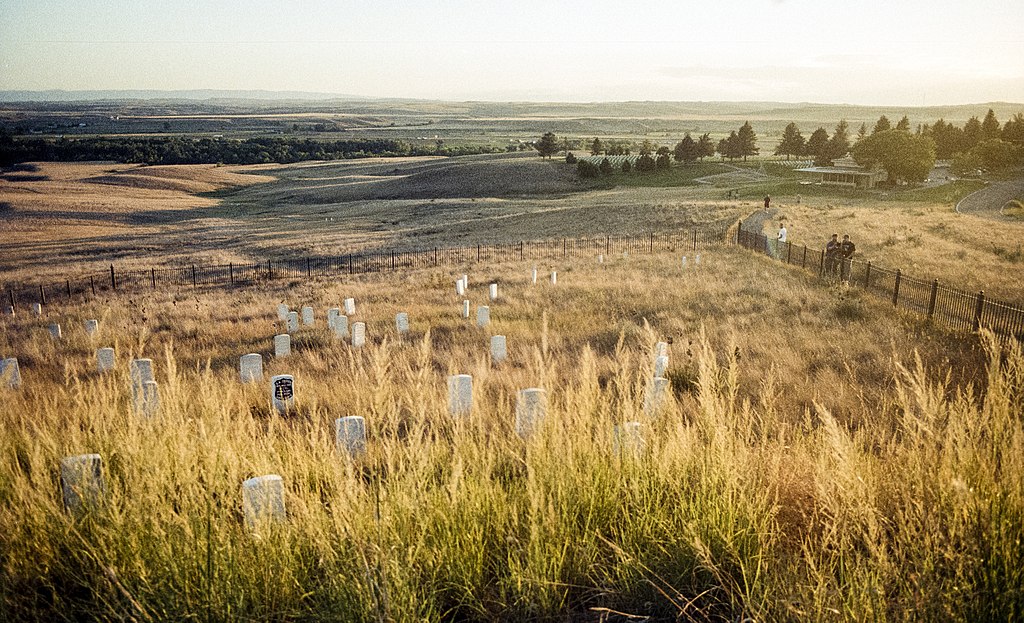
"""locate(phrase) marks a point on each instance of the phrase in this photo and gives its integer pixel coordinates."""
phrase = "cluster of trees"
(823, 148)
(644, 164)
(188, 150)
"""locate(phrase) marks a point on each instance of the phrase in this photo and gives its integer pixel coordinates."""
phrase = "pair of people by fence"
(839, 256)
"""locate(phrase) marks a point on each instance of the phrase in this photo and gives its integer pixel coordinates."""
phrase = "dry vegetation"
(818, 459)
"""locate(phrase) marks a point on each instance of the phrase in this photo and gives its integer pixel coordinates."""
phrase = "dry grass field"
(817, 458)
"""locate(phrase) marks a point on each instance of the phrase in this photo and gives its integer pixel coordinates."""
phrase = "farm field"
(783, 477)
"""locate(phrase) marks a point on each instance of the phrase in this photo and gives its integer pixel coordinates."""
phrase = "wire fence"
(957, 309)
(20, 295)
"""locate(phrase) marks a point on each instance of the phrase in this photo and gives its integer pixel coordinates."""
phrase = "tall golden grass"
(818, 458)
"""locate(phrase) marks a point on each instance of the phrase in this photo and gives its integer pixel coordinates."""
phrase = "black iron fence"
(955, 308)
(226, 275)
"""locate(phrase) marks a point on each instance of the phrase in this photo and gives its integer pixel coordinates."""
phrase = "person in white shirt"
(780, 241)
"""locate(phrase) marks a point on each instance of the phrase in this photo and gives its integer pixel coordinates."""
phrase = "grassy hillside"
(807, 464)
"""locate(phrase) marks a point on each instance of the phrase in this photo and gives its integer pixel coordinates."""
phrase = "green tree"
(882, 125)
(996, 154)
(596, 147)
(570, 158)
(547, 145)
(905, 157)
(1013, 130)
(972, 134)
(838, 146)
(863, 131)
(903, 125)
(747, 138)
(686, 150)
(817, 145)
(646, 147)
(792, 143)
(705, 147)
(645, 163)
(587, 169)
(663, 161)
(606, 166)
(989, 126)
(626, 166)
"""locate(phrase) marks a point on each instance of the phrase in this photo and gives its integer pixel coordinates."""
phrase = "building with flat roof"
(846, 172)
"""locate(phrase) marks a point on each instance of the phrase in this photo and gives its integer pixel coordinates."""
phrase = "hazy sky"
(902, 52)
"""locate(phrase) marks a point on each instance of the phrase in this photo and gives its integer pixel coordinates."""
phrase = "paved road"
(988, 201)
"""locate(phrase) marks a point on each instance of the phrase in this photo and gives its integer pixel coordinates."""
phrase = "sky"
(873, 52)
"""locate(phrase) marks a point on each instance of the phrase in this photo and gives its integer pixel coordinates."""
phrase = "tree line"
(205, 150)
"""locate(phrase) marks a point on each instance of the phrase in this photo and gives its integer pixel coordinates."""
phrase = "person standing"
(832, 255)
(846, 251)
(780, 242)
(767, 202)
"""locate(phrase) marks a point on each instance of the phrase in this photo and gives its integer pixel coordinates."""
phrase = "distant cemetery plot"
(615, 161)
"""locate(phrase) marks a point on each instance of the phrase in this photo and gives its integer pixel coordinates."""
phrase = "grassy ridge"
(798, 471)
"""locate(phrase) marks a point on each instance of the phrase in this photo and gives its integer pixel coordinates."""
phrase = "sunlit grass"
(807, 465)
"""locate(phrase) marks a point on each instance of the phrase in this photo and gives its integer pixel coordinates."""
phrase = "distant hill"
(59, 95)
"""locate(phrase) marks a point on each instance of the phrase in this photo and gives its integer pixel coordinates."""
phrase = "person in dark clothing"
(846, 251)
(767, 202)
(832, 255)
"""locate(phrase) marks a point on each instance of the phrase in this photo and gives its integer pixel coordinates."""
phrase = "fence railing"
(387, 260)
(955, 308)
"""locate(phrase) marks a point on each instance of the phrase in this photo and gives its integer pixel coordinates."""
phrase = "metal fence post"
(739, 230)
(350, 269)
(308, 273)
(42, 295)
(931, 300)
(113, 280)
(789, 253)
(152, 277)
(194, 283)
(392, 261)
(92, 284)
(607, 244)
(11, 294)
(69, 289)
(978, 309)
(563, 247)
(435, 252)
(821, 264)
(695, 240)
(652, 242)
(896, 288)
(803, 264)
(231, 271)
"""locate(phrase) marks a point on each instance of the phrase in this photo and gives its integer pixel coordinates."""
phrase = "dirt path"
(755, 222)
(989, 201)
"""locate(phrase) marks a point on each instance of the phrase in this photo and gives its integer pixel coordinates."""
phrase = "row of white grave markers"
(696, 260)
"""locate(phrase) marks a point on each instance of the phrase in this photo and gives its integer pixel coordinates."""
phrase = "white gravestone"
(105, 359)
(350, 307)
(341, 327)
(307, 316)
(655, 396)
(554, 278)
(460, 288)
(531, 409)
(661, 348)
(37, 309)
(628, 439)
(250, 368)
(696, 260)
(684, 261)
(350, 435)
(483, 316)
(282, 345)
(282, 392)
(10, 374)
(8, 310)
(402, 322)
(358, 334)
(293, 322)
(600, 259)
(534, 275)
(81, 481)
(465, 281)
(660, 365)
(55, 331)
(91, 327)
(282, 312)
(499, 351)
(494, 291)
(263, 499)
(147, 399)
(332, 316)
(141, 370)
(465, 309)
(460, 394)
